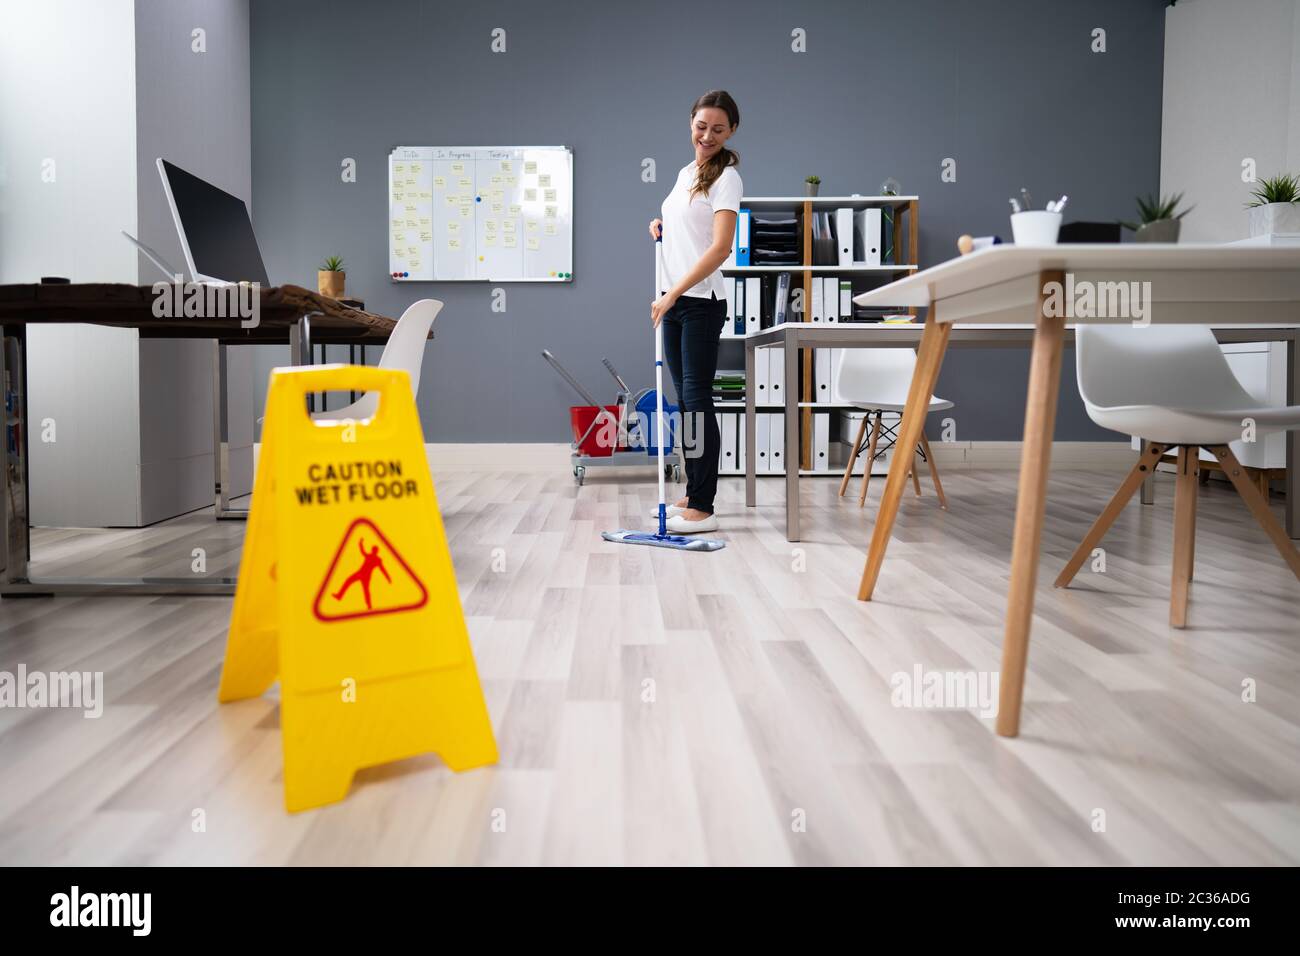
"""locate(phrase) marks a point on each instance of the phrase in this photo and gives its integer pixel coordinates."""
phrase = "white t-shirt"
(688, 227)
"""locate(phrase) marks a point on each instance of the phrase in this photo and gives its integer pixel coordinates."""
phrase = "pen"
(1015, 206)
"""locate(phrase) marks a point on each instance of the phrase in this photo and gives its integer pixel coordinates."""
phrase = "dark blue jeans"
(691, 331)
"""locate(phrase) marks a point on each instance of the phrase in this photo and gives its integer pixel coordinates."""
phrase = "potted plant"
(1159, 217)
(330, 277)
(1275, 206)
(811, 184)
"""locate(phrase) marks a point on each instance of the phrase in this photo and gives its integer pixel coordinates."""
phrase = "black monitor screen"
(217, 229)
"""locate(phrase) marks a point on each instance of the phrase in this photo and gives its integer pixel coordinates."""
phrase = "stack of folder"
(774, 241)
(729, 385)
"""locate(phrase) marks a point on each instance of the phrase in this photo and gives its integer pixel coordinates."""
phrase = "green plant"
(332, 264)
(1153, 209)
(1281, 188)
(814, 180)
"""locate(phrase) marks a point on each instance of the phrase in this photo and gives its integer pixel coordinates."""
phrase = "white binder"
(753, 303)
(846, 300)
(830, 298)
(844, 234)
(817, 308)
(822, 375)
(763, 465)
(762, 377)
(776, 374)
(728, 330)
(867, 237)
(740, 305)
(836, 357)
(740, 441)
(821, 440)
(776, 445)
(728, 460)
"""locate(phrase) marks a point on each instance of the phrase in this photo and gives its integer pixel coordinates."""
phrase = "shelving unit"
(906, 252)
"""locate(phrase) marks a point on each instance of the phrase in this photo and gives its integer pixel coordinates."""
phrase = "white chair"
(404, 350)
(877, 381)
(1172, 385)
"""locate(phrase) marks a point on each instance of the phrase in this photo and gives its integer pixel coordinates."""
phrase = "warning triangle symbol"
(367, 577)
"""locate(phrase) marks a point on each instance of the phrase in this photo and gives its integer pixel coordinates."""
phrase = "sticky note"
(465, 183)
(509, 242)
(490, 241)
(399, 169)
(425, 222)
(507, 166)
(534, 243)
(530, 167)
(466, 200)
(551, 212)
(440, 182)
(508, 225)
(426, 235)
(550, 229)
(512, 180)
(414, 264)
(410, 222)
(464, 212)
(410, 207)
(497, 180)
(544, 180)
(457, 168)
(489, 225)
(515, 208)
(530, 195)
(453, 227)
(416, 169)
(412, 251)
(453, 243)
(497, 207)
(530, 225)
(451, 199)
(549, 195)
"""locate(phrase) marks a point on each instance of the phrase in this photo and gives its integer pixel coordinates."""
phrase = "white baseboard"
(547, 456)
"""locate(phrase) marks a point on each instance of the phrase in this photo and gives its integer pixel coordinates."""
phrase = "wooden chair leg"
(1185, 489)
(915, 472)
(871, 457)
(1258, 506)
(1146, 464)
(934, 471)
(853, 455)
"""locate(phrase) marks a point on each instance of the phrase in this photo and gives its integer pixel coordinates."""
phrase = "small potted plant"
(1275, 206)
(1160, 218)
(811, 184)
(330, 277)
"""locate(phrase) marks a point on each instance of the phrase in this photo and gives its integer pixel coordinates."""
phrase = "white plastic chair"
(404, 349)
(877, 381)
(1172, 385)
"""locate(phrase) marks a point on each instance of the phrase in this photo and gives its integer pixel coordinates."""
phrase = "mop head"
(679, 542)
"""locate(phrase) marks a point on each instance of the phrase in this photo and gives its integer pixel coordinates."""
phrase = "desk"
(796, 335)
(1220, 286)
(285, 313)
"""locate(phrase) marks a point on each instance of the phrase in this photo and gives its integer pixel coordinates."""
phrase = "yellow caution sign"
(347, 593)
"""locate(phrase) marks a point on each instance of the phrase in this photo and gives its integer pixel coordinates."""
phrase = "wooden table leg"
(934, 342)
(1031, 501)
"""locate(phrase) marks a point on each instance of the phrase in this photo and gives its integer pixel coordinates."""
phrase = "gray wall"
(193, 109)
(1010, 90)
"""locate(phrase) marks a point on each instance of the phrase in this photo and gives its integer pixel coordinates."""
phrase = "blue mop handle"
(659, 382)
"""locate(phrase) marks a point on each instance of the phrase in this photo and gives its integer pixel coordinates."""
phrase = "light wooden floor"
(658, 707)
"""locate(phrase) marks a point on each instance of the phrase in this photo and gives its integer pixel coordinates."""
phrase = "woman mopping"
(699, 226)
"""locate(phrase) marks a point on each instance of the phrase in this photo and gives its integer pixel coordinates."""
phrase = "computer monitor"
(215, 229)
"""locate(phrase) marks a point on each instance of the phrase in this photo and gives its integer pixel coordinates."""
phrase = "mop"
(662, 539)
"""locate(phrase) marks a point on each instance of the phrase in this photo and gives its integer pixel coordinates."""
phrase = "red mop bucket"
(596, 439)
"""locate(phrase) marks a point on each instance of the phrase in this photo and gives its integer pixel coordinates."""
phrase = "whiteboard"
(480, 213)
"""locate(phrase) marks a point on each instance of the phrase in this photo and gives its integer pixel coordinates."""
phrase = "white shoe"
(672, 511)
(680, 525)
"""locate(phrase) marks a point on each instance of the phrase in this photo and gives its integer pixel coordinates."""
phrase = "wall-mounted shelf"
(857, 202)
(850, 270)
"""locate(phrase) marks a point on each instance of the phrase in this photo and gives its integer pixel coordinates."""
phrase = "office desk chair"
(404, 349)
(1174, 384)
(877, 381)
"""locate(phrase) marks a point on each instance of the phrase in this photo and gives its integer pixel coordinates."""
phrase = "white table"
(1215, 285)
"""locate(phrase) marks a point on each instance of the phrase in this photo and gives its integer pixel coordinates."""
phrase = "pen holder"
(1037, 227)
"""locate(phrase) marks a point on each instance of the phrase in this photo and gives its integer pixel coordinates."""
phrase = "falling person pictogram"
(372, 562)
